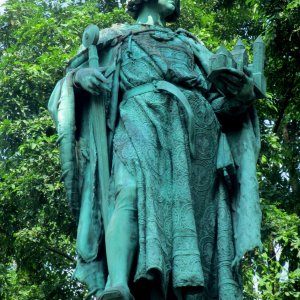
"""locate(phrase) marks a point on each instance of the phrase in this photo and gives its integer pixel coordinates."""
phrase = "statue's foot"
(116, 293)
(95, 292)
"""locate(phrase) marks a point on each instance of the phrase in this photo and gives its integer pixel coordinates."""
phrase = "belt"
(166, 86)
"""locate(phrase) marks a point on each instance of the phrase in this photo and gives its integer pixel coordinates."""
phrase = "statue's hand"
(239, 85)
(91, 80)
(234, 84)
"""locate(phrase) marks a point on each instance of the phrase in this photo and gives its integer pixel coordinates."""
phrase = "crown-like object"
(238, 59)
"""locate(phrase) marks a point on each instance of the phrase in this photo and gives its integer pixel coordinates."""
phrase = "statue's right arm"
(91, 80)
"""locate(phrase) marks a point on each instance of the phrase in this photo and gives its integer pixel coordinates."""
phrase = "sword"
(89, 40)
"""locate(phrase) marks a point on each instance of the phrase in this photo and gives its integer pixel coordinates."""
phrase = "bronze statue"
(159, 141)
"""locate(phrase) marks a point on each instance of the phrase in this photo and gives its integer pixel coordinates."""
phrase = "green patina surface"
(159, 141)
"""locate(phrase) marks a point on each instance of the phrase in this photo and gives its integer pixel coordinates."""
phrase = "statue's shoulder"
(108, 38)
(116, 31)
(188, 36)
(200, 51)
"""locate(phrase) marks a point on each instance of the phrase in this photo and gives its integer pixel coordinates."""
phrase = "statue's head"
(135, 6)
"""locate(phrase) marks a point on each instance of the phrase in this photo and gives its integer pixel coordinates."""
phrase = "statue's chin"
(168, 10)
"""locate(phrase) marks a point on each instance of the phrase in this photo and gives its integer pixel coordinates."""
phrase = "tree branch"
(70, 258)
(281, 114)
(288, 97)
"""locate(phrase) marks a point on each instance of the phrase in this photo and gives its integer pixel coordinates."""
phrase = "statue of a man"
(182, 202)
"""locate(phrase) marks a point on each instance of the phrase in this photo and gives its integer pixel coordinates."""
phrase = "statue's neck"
(149, 15)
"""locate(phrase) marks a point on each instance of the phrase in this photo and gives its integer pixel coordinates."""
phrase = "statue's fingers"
(103, 86)
(233, 72)
(98, 85)
(232, 89)
(228, 79)
(91, 88)
(93, 92)
(95, 82)
(100, 76)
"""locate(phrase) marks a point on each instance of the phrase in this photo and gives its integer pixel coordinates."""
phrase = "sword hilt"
(90, 39)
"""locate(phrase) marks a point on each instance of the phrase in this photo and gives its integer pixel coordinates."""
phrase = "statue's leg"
(121, 235)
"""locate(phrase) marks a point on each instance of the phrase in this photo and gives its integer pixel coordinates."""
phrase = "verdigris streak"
(158, 141)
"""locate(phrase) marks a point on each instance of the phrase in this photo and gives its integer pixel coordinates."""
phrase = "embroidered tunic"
(184, 220)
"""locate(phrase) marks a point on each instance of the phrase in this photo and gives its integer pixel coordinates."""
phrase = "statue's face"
(166, 7)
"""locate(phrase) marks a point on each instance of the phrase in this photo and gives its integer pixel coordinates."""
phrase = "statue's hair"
(134, 7)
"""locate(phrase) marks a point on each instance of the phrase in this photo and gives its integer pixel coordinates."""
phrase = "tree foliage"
(37, 233)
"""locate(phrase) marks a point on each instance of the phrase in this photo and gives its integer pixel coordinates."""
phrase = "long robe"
(193, 155)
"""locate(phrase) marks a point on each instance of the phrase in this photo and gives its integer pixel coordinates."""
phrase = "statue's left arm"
(232, 93)
(232, 98)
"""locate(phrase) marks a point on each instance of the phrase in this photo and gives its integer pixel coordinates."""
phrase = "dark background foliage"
(37, 232)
